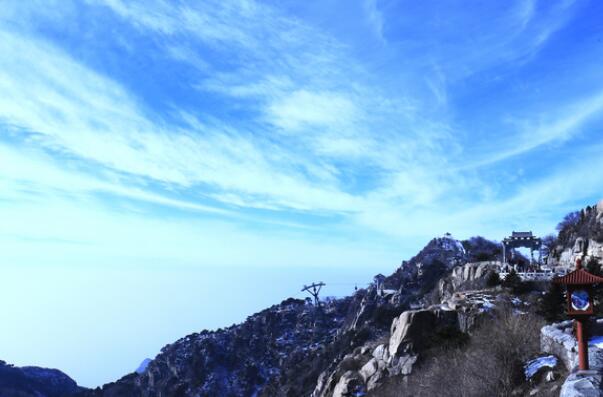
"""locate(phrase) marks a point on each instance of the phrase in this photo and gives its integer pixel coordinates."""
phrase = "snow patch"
(449, 243)
(596, 341)
(488, 305)
(532, 367)
(143, 366)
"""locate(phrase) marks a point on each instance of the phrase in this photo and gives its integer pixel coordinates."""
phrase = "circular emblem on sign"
(580, 300)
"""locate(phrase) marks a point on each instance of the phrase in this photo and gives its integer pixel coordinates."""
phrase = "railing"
(531, 276)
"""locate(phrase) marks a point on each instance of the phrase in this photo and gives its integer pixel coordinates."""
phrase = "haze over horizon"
(158, 158)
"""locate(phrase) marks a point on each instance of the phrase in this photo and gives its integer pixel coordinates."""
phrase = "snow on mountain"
(143, 365)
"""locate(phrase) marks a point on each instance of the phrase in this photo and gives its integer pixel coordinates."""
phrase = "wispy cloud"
(95, 120)
(374, 18)
(292, 121)
(543, 130)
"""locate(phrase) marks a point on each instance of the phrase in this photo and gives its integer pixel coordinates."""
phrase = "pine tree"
(493, 279)
(512, 281)
(552, 305)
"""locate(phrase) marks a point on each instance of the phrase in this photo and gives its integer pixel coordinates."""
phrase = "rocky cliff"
(580, 233)
(241, 360)
(295, 349)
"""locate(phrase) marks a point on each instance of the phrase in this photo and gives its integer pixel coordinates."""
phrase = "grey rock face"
(290, 350)
(468, 276)
(582, 385)
(348, 384)
(557, 339)
(411, 333)
(369, 369)
(583, 237)
(421, 273)
(413, 328)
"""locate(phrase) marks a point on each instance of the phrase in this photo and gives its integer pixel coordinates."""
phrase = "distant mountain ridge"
(35, 382)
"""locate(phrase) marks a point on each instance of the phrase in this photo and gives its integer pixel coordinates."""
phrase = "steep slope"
(580, 233)
(239, 360)
(288, 349)
(420, 274)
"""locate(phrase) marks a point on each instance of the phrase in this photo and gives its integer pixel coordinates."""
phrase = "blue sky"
(219, 135)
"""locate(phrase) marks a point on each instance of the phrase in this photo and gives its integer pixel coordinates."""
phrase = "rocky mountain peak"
(580, 233)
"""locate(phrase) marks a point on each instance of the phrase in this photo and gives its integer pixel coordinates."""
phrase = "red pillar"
(582, 344)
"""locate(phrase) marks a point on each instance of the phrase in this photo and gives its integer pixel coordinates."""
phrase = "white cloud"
(321, 139)
(552, 128)
(312, 109)
(374, 18)
(75, 111)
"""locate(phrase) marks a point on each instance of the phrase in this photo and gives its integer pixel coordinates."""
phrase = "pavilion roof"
(522, 234)
(579, 276)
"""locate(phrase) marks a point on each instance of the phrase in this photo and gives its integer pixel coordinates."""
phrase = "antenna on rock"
(313, 289)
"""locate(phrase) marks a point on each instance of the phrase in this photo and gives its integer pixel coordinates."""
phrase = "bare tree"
(490, 365)
(548, 244)
(570, 220)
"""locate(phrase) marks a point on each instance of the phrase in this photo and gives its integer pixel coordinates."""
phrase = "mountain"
(34, 382)
(427, 312)
(580, 233)
(143, 365)
(297, 349)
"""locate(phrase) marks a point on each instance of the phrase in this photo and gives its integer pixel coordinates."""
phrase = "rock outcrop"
(471, 276)
(586, 384)
(558, 339)
(413, 330)
(580, 234)
(411, 333)
(349, 346)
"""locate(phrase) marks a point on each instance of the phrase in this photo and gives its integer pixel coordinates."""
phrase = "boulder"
(376, 380)
(381, 353)
(555, 340)
(348, 383)
(413, 329)
(582, 384)
(402, 365)
(369, 369)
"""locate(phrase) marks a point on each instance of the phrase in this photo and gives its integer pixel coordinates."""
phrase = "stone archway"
(525, 240)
